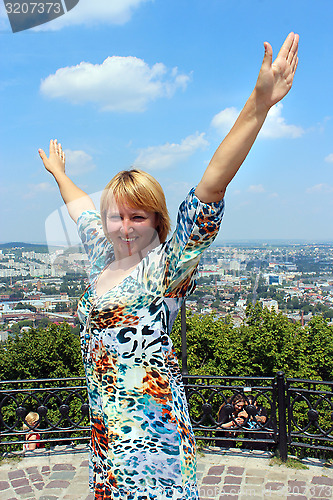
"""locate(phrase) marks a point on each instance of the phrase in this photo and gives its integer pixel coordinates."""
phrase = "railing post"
(184, 343)
(283, 442)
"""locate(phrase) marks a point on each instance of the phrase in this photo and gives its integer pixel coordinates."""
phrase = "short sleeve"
(98, 249)
(197, 226)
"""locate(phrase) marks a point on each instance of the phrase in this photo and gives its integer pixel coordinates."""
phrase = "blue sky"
(157, 84)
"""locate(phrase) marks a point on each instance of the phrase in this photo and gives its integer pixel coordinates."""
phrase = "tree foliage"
(267, 342)
(51, 352)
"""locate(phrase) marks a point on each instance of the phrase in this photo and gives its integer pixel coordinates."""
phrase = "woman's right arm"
(76, 200)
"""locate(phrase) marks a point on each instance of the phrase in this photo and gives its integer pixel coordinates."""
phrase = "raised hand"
(275, 79)
(55, 163)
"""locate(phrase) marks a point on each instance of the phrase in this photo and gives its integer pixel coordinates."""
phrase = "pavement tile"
(251, 497)
(296, 497)
(252, 494)
(320, 491)
(39, 486)
(16, 474)
(277, 476)
(4, 485)
(253, 472)
(23, 489)
(58, 467)
(211, 480)
(235, 471)
(232, 479)
(254, 480)
(271, 486)
(209, 492)
(231, 489)
(36, 477)
(322, 480)
(216, 470)
(57, 484)
(22, 481)
(31, 470)
(85, 463)
(62, 475)
(228, 497)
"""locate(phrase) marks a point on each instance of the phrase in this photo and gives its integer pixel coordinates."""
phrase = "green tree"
(52, 352)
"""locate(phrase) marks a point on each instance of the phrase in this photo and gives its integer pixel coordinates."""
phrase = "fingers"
(287, 44)
(56, 149)
(52, 146)
(267, 61)
(289, 49)
(42, 154)
(292, 55)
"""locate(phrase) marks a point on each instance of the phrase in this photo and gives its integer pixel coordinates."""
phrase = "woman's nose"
(126, 225)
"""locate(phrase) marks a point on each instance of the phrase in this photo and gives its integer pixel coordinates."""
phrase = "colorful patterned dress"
(142, 443)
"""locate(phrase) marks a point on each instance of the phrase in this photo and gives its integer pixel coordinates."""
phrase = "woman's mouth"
(127, 240)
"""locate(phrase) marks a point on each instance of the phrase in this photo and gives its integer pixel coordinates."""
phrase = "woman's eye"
(138, 217)
(114, 217)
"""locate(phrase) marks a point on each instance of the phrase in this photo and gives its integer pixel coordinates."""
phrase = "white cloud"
(92, 12)
(225, 119)
(329, 158)
(274, 127)
(37, 189)
(118, 84)
(256, 188)
(166, 155)
(320, 188)
(78, 162)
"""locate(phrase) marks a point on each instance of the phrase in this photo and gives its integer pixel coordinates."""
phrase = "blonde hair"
(32, 418)
(140, 190)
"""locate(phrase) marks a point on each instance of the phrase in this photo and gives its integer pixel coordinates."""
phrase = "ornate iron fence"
(299, 413)
(310, 414)
(61, 404)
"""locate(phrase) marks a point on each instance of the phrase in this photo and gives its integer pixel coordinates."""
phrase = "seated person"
(229, 417)
(255, 420)
(32, 437)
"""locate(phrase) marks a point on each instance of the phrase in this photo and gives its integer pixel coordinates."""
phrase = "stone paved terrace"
(223, 474)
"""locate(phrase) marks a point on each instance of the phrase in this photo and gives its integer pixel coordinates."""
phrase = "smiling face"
(238, 406)
(131, 230)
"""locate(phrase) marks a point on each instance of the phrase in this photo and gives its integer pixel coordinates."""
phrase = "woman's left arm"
(274, 82)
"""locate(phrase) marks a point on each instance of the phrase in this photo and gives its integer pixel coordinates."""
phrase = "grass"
(9, 459)
(291, 463)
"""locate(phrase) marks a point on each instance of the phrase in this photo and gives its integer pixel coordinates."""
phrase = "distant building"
(3, 335)
(270, 304)
(273, 279)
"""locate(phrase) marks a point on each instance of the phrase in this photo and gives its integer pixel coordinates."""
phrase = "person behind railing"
(32, 437)
(230, 417)
(255, 418)
(142, 440)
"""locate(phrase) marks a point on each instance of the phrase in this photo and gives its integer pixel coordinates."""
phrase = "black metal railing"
(62, 406)
(299, 412)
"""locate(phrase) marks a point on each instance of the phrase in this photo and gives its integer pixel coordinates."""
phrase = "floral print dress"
(142, 443)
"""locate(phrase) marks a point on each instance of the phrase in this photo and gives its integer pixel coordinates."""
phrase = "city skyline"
(159, 86)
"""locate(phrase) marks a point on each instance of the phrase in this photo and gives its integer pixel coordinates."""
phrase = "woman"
(230, 421)
(142, 442)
